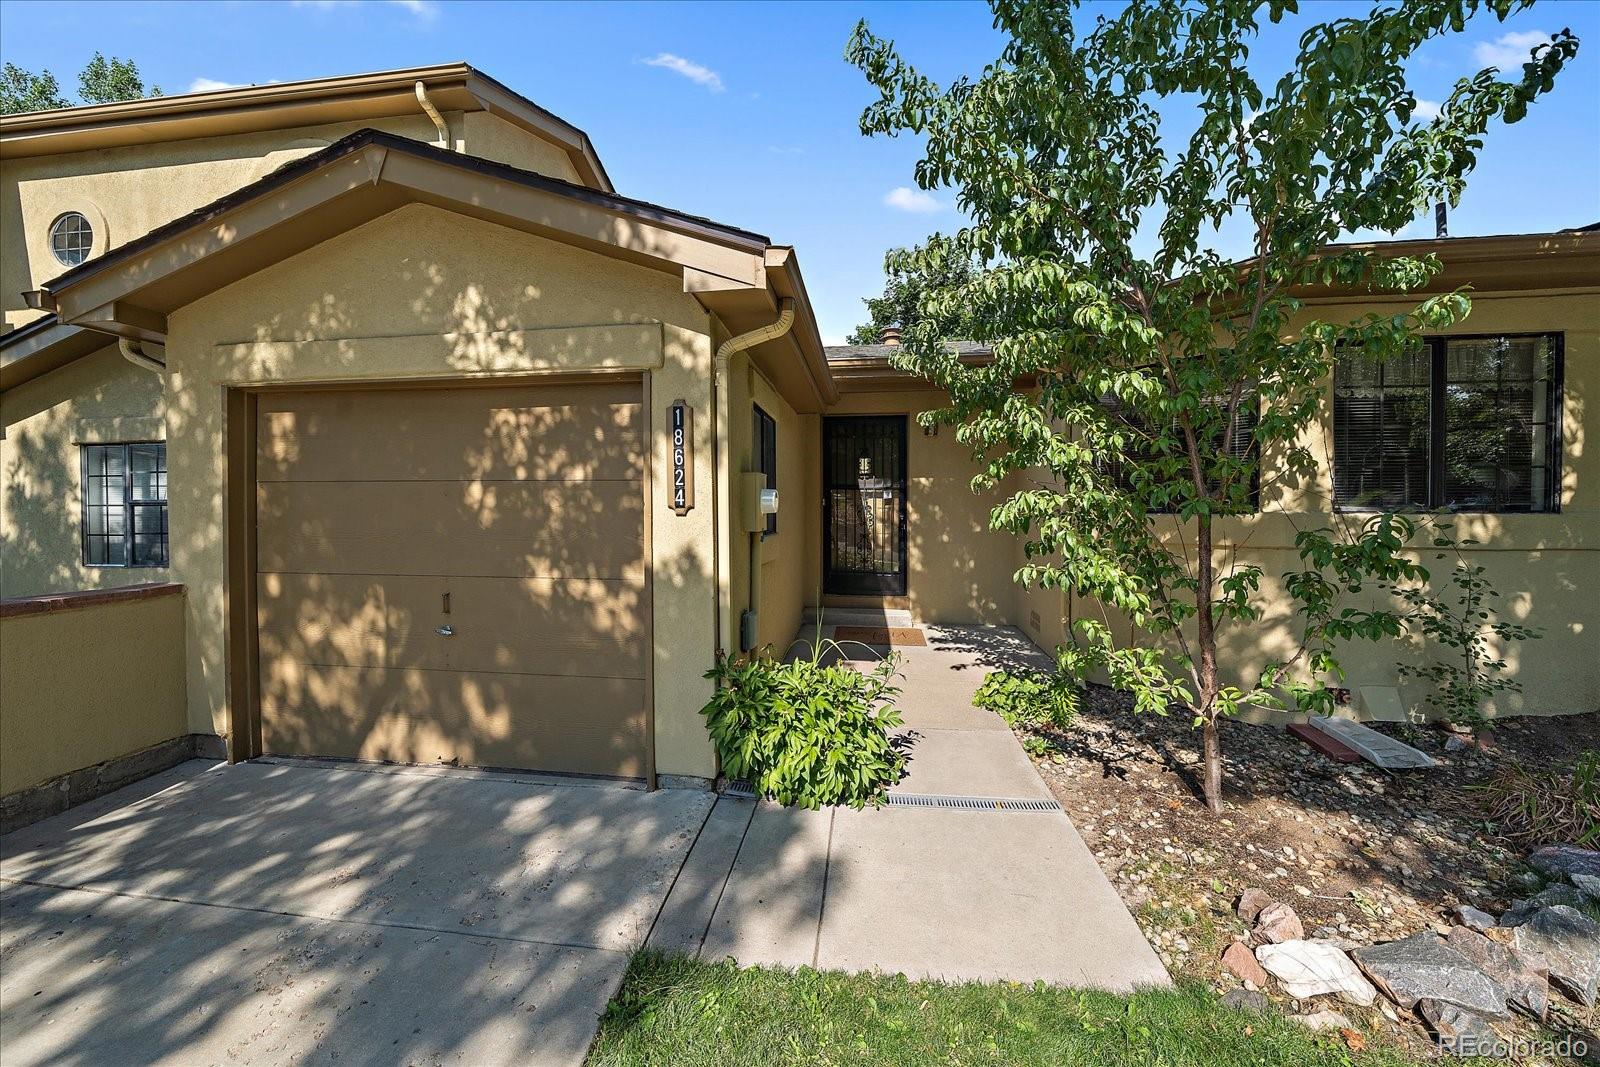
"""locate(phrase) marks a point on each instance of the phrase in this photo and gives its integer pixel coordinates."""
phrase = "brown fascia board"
(1500, 262)
(36, 349)
(784, 271)
(252, 108)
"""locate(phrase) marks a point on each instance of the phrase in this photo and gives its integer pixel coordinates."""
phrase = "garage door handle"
(445, 631)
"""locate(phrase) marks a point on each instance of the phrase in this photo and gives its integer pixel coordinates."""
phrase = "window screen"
(125, 505)
(1468, 423)
(765, 448)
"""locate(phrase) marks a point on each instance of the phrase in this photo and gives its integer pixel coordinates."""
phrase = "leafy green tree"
(105, 81)
(22, 90)
(901, 302)
(1163, 369)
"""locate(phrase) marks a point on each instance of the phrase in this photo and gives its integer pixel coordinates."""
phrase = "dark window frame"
(129, 507)
(764, 451)
(1248, 417)
(1438, 349)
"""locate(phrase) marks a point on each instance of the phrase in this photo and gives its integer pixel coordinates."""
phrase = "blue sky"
(747, 112)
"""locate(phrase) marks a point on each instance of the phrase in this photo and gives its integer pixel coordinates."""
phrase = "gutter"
(722, 477)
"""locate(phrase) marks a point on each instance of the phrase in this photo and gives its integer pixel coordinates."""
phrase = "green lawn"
(680, 1012)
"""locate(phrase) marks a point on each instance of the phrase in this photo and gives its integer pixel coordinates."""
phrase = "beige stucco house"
(456, 452)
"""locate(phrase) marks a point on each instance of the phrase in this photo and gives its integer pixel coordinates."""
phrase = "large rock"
(1567, 943)
(1525, 983)
(1243, 966)
(1307, 969)
(1278, 923)
(1588, 885)
(1566, 861)
(1523, 910)
(1475, 918)
(1423, 967)
(1250, 1000)
(1251, 901)
(1460, 1032)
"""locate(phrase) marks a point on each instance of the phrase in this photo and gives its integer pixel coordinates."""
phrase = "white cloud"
(1426, 110)
(1510, 49)
(422, 9)
(905, 198)
(210, 85)
(695, 72)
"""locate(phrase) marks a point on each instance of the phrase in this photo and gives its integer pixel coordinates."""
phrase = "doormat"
(880, 635)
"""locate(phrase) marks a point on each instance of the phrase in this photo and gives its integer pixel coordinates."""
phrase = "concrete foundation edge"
(68, 790)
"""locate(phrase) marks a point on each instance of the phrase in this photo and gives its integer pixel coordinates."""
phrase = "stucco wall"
(783, 554)
(99, 398)
(122, 691)
(423, 293)
(126, 192)
(958, 569)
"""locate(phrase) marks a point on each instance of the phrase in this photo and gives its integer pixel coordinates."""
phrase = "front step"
(859, 616)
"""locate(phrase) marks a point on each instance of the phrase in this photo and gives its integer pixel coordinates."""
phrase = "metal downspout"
(433, 113)
(133, 352)
(722, 532)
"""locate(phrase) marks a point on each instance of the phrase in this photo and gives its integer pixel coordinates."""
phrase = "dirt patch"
(1363, 855)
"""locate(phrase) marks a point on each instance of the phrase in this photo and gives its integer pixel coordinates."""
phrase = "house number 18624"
(681, 421)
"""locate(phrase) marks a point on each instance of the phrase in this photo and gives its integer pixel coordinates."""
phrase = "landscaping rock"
(1460, 1032)
(1566, 861)
(1278, 923)
(1308, 969)
(1567, 943)
(1322, 1020)
(1241, 963)
(1246, 1000)
(1523, 910)
(1475, 918)
(1588, 885)
(1422, 966)
(1251, 901)
(1525, 983)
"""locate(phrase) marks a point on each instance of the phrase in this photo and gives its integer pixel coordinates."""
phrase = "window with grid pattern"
(71, 239)
(764, 443)
(1465, 423)
(125, 505)
(1238, 441)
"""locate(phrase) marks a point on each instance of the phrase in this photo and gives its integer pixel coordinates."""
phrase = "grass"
(677, 1011)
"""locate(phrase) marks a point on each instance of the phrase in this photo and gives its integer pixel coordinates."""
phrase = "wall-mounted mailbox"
(680, 421)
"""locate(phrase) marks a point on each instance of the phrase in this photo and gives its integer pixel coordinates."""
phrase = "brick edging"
(16, 607)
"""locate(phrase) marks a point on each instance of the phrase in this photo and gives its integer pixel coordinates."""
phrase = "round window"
(71, 238)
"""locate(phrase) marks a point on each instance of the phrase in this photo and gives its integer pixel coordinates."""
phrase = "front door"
(864, 505)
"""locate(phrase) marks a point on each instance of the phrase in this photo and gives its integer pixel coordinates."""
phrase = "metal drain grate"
(924, 800)
(743, 791)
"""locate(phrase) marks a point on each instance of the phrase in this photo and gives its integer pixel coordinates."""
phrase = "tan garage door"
(454, 575)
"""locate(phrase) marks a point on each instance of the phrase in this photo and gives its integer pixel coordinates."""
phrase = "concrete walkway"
(935, 892)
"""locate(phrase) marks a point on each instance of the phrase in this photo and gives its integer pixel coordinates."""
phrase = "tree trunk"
(1212, 744)
(1206, 645)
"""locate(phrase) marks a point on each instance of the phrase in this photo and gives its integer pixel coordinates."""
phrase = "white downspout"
(721, 497)
(433, 113)
(133, 352)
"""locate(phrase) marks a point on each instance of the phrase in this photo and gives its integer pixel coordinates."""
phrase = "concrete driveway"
(292, 912)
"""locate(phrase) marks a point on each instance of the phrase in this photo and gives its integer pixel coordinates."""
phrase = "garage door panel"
(508, 529)
(546, 626)
(526, 626)
(557, 432)
(581, 725)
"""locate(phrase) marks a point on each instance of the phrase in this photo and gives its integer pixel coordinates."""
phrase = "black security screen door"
(864, 505)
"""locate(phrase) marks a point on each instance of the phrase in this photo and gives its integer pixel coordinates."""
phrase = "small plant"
(805, 733)
(1546, 806)
(1029, 698)
(1463, 623)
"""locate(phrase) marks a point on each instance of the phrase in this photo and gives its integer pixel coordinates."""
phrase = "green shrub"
(806, 734)
(1030, 698)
